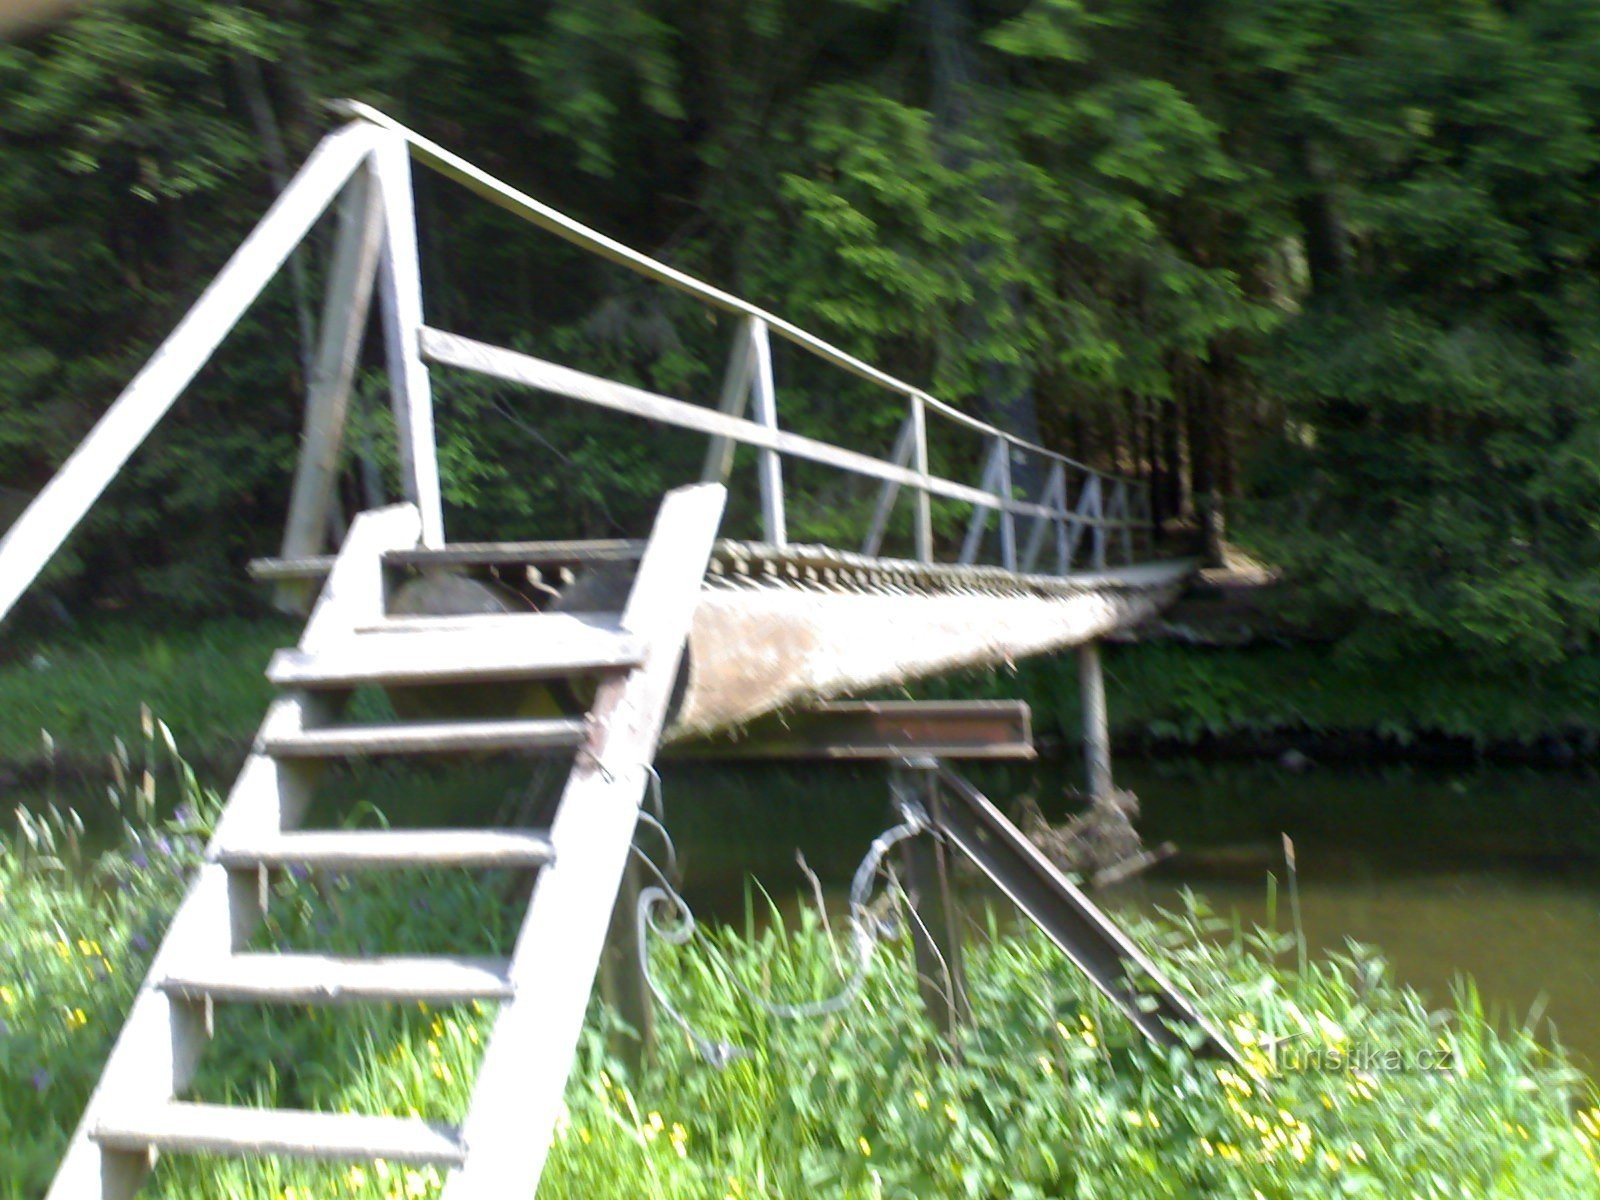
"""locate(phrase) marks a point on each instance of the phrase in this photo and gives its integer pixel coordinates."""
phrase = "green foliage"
(1192, 695)
(1053, 1094)
(83, 691)
(1350, 242)
(1440, 377)
(79, 928)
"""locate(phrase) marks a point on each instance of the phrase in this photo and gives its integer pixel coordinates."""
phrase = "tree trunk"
(1008, 401)
(1326, 240)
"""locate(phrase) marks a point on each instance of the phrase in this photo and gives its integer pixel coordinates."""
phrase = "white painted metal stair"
(332, 979)
(138, 1112)
(221, 1129)
(378, 849)
(428, 737)
(429, 650)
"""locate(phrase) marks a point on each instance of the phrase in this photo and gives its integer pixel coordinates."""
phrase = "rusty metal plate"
(878, 729)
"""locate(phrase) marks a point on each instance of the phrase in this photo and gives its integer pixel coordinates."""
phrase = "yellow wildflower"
(1233, 1082)
(866, 1146)
(920, 1099)
(77, 1019)
(8, 997)
(355, 1178)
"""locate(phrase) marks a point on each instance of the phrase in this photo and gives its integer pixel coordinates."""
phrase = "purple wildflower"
(164, 846)
(140, 860)
(139, 942)
(183, 814)
(40, 1079)
(299, 872)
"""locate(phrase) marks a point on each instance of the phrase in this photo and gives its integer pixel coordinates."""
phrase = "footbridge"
(596, 651)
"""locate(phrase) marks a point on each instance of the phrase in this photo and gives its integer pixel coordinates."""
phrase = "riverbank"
(64, 699)
(1053, 1094)
(1307, 701)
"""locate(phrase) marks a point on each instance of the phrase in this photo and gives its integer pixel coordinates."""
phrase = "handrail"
(452, 350)
(383, 143)
(47, 522)
(519, 203)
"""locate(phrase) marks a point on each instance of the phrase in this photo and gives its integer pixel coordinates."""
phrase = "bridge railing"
(1081, 516)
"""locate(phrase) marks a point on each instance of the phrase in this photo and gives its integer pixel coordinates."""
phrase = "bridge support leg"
(622, 982)
(1096, 730)
(936, 921)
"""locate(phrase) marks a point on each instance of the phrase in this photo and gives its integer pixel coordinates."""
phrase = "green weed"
(1050, 1095)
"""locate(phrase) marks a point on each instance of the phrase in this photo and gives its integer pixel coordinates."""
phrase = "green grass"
(1185, 694)
(87, 689)
(1052, 1096)
(207, 681)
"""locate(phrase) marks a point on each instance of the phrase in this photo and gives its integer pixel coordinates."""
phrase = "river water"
(1489, 873)
(1494, 873)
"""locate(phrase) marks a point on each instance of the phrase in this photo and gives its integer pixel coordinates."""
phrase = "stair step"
(179, 1126)
(428, 737)
(497, 624)
(483, 554)
(271, 978)
(462, 554)
(463, 649)
(379, 849)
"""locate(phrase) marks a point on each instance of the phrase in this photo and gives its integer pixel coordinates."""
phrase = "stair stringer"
(518, 1092)
(154, 1057)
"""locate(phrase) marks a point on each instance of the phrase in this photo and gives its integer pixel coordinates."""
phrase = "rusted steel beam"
(936, 918)
(879, 729)
(1071, 920)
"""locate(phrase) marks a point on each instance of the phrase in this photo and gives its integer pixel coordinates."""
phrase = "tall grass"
(206, 679)
(1050, 1095)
